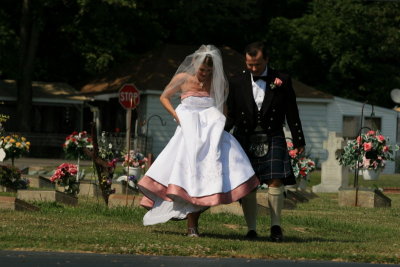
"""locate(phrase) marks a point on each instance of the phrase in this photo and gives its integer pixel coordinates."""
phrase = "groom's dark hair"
(253, 48)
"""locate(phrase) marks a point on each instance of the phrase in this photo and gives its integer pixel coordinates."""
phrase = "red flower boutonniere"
(277, 83)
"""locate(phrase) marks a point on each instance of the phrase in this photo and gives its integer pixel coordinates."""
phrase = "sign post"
(129, 98)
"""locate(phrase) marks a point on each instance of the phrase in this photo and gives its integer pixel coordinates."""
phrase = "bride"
(202, 165)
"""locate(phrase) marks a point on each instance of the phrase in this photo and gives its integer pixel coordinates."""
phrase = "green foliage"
(349, 48)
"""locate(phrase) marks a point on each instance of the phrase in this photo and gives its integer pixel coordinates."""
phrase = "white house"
(320, 112)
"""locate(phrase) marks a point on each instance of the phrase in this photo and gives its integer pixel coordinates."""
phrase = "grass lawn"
(319, 230)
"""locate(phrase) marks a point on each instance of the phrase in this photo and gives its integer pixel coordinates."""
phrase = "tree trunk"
(29, 35)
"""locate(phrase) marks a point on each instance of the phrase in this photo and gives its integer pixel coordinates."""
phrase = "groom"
(260, 100)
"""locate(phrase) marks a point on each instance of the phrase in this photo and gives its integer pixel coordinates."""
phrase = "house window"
(351, 125)
(373, 123)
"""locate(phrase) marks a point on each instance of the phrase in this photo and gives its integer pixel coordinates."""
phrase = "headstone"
(38, 181)
(333, 175)
(363, 197)
(118, 200)
(88, 188)
(47, 196)
(13, 203)
(7, 189)
(120, 188)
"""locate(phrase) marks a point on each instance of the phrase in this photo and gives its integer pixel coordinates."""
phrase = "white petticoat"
(200, 166)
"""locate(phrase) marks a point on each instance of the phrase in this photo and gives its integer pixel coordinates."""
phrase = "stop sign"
(129, 96)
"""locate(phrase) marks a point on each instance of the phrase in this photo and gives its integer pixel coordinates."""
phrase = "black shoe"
(276, 234)
(251, 234)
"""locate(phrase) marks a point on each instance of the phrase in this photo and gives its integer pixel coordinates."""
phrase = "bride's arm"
(173, 87)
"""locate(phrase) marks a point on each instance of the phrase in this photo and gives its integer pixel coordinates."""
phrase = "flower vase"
(370, 175)
(302, 183)
(135, 171)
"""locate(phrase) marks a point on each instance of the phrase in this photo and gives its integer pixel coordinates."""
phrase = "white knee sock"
(275, 202)
(249, 206)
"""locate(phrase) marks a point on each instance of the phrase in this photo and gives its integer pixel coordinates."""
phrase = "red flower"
(367, 146)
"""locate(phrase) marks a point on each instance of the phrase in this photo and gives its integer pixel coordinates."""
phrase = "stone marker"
(120, 200)
(39, 181)
(88, 188)
(333, 175)
(367, 197)
(120, 188)
(7, 189)
(47, 196)
(13, 203)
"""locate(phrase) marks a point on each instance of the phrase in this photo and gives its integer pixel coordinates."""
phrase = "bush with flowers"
(301, 164)
(371, 150)
(14, 146)
(75, 143)
(65, 175)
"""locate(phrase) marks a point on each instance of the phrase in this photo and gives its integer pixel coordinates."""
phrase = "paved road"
(48, 259)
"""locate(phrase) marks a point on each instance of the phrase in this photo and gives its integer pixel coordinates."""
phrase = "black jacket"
(279, 104)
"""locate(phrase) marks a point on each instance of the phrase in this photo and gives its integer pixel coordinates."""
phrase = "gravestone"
(89, 188)
(333, 175)
(13, 203)
(47, 196)
(363, 197)
(39, 181)
(118, 200)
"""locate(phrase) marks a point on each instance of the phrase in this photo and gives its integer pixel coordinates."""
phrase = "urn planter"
(371, 174)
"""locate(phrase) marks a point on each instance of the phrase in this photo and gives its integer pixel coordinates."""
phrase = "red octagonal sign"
(129, 96)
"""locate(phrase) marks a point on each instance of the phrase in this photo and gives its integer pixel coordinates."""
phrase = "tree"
(347, 48)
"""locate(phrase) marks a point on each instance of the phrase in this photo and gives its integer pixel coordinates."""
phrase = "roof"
(43, 92)
(153, 71)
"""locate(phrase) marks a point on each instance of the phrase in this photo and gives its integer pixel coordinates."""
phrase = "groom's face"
(256, 64)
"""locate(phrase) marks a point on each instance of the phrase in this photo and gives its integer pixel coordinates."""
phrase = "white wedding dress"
(201, 166)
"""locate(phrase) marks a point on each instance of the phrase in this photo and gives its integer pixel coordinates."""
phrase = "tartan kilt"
(276, 164)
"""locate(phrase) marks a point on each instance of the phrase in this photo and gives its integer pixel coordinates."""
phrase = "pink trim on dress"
(194, 93)
(169, 192)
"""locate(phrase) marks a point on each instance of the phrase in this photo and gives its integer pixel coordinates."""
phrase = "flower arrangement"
(10, 176)
(14, 146)
(302, 165)
(65, 175)
(134, 159)
(108, 151)
(369, 149)
(75, 143)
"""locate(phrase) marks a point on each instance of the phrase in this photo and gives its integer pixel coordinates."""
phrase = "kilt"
(276, 164)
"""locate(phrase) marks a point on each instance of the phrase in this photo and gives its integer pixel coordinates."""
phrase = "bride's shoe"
(193, 232)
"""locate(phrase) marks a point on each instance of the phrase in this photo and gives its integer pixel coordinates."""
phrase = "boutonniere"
(277, 83)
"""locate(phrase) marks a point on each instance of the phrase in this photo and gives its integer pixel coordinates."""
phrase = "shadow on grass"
(287, 239)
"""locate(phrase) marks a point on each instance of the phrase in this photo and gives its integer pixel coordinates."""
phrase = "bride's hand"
(176, 118)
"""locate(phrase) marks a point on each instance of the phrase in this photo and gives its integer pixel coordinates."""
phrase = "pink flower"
(293, 153)
(277, 82)
(366, 162)
(359, 140)
(367, 146)
(380, 138)
(371, 133)
(385, 149)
